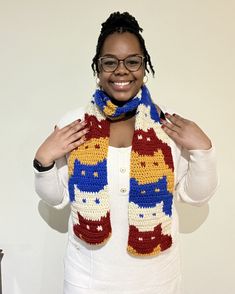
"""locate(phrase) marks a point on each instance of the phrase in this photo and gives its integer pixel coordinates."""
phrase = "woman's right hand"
(61, 141)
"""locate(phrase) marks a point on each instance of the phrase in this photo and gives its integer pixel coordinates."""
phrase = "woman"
(120, 161)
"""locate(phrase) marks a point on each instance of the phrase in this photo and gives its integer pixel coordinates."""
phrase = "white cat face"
(145, 219)
(91, 206)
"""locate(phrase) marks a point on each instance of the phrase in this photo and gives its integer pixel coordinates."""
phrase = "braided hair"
(120, 23)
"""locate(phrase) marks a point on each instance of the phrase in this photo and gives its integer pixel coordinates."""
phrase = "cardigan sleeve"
(52, 185)
(197, 177)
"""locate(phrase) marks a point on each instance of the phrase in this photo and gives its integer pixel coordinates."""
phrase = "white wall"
(46, 49)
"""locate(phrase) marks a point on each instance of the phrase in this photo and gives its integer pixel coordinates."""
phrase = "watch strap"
(39, 167)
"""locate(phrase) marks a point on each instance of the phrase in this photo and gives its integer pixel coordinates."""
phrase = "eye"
(133, 61)
(109, 62)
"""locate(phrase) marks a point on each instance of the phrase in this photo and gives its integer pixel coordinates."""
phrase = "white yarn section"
(145, 122)
(86, 204)
(151, 218)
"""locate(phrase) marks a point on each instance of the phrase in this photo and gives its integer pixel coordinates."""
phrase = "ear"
(98, 81)
(98, 69)
(145, 79)
(144, 76)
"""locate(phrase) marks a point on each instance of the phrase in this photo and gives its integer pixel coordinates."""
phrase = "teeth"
(121, 83)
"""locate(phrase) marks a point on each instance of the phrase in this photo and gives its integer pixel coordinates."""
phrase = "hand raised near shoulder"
(185, 133)
(61, 141)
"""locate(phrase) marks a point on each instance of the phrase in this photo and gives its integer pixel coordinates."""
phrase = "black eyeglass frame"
(119, 60)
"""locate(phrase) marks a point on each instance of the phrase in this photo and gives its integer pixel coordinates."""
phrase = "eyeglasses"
(111, 63)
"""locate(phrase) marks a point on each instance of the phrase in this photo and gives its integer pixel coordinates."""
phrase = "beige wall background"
(46, 49)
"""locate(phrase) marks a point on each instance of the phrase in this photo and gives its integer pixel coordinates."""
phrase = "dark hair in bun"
(120, 23)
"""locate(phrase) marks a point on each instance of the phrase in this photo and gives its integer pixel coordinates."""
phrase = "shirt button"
(123, 190)
(122, 170)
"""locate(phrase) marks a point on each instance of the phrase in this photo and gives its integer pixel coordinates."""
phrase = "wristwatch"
(39, 167)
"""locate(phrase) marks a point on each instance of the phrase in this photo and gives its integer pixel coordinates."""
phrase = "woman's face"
(121, 84)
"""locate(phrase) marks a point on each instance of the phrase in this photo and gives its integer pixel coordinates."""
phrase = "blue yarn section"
(154, 114)
(101, 100)
(150, 198)
(145, 96)
(84, 179)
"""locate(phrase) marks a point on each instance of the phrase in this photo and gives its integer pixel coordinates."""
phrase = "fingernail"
(79, 120)
(166, 113)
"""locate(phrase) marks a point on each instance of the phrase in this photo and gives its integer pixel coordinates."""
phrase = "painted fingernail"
(79, 120)
(173, 114)
(166, 113)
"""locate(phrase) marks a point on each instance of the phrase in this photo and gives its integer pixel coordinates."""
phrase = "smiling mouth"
(121, 84)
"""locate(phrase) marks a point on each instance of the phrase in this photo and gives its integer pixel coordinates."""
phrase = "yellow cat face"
(150, 169)
(90, 153)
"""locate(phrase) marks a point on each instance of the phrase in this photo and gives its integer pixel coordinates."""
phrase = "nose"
(121, 68)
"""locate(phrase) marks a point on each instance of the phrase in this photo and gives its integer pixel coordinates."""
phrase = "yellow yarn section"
(150, 169)
(133, 252)
(91, 152)
(110, 108)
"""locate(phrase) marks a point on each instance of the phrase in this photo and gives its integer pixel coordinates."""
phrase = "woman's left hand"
(185, 133)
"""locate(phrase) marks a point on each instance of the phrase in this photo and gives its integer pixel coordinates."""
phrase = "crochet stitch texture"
(151, 177)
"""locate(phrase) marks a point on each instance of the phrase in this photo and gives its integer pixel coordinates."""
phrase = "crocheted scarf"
(151, 177)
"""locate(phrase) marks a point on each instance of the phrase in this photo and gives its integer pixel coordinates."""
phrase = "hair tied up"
(117, 21)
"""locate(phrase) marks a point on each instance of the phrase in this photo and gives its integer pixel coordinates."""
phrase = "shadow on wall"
(191, 217)
(57, 219)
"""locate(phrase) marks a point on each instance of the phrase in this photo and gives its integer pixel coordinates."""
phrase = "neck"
(117, 102)
(128, 115)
